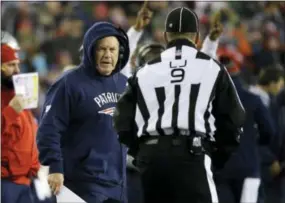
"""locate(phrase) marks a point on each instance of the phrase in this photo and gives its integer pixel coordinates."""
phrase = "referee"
(176, 110)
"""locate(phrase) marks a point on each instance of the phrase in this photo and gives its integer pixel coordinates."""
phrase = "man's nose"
(17, 69)
(107, 54)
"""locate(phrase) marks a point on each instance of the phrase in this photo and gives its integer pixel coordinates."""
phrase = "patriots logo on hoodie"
(108, 111)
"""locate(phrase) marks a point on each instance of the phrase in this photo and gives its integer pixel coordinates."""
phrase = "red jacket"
(19, 153)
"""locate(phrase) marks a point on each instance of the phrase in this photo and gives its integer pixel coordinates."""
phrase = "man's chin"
(104, 70)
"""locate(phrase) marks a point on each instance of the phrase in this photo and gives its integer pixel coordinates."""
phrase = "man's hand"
(216, 27)
(55, 181)
(17, 103)
(275, 168)
(143, 18)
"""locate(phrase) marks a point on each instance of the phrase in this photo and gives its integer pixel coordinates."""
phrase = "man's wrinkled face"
(106, 55)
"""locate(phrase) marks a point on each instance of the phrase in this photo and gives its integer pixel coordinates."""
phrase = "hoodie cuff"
(56, 167)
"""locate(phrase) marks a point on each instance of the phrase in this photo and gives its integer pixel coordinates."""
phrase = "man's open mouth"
(105, 62)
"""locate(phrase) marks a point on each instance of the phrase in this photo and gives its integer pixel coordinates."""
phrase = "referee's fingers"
(145, 11)
(145, 4)
(217, 17)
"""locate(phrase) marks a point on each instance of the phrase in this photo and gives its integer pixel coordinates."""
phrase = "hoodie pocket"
(99, 166)
(94, 163)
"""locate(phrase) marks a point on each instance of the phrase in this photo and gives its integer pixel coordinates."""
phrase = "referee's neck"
(180, 42)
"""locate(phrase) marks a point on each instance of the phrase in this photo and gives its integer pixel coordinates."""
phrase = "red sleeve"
(9, 119)
(35, 161)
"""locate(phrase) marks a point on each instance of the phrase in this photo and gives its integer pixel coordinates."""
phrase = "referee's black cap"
(182, 20)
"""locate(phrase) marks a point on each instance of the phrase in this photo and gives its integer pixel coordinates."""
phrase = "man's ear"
(3, 67)
(165, 38)
(197, 38)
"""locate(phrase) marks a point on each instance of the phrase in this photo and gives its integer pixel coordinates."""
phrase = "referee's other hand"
(144, 17)
(216, 27)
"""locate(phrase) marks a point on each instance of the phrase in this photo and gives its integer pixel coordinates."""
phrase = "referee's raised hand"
(216, 27)
(144, 17)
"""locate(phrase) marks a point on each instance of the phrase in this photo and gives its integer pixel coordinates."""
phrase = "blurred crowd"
(50, 33)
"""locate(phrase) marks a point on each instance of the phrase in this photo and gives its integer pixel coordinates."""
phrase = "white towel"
(41, 184)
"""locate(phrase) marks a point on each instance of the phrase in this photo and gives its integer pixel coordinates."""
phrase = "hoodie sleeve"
(210, 47)
(54, 121)
(134, 36)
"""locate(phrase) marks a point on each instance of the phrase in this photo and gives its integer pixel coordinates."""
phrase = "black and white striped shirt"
(183, 91)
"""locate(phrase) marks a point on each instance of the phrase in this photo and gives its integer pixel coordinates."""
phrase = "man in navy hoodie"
(76, 138)
(245, 163)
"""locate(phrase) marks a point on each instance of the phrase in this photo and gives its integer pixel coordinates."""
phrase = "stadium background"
(50, 33)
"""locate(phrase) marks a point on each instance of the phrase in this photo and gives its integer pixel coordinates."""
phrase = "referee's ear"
(197, 39)
(165, 38)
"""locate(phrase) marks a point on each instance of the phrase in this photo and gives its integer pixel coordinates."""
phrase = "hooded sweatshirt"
(76, 135)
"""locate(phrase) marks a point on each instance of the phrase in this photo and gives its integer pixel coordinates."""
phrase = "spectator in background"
(275, 189)
(118, 16)
(276, 186)
(69, 40)
(270, 82)
(245, 163)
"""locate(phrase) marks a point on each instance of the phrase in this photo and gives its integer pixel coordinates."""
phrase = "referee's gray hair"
(181, 35)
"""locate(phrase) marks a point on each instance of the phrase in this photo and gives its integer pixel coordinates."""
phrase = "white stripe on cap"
(168, 16)
(180, 19)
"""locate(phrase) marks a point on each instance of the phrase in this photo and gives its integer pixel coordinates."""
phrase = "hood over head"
(98, 31)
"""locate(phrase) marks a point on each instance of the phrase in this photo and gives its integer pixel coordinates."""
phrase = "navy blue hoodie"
(76, 135)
